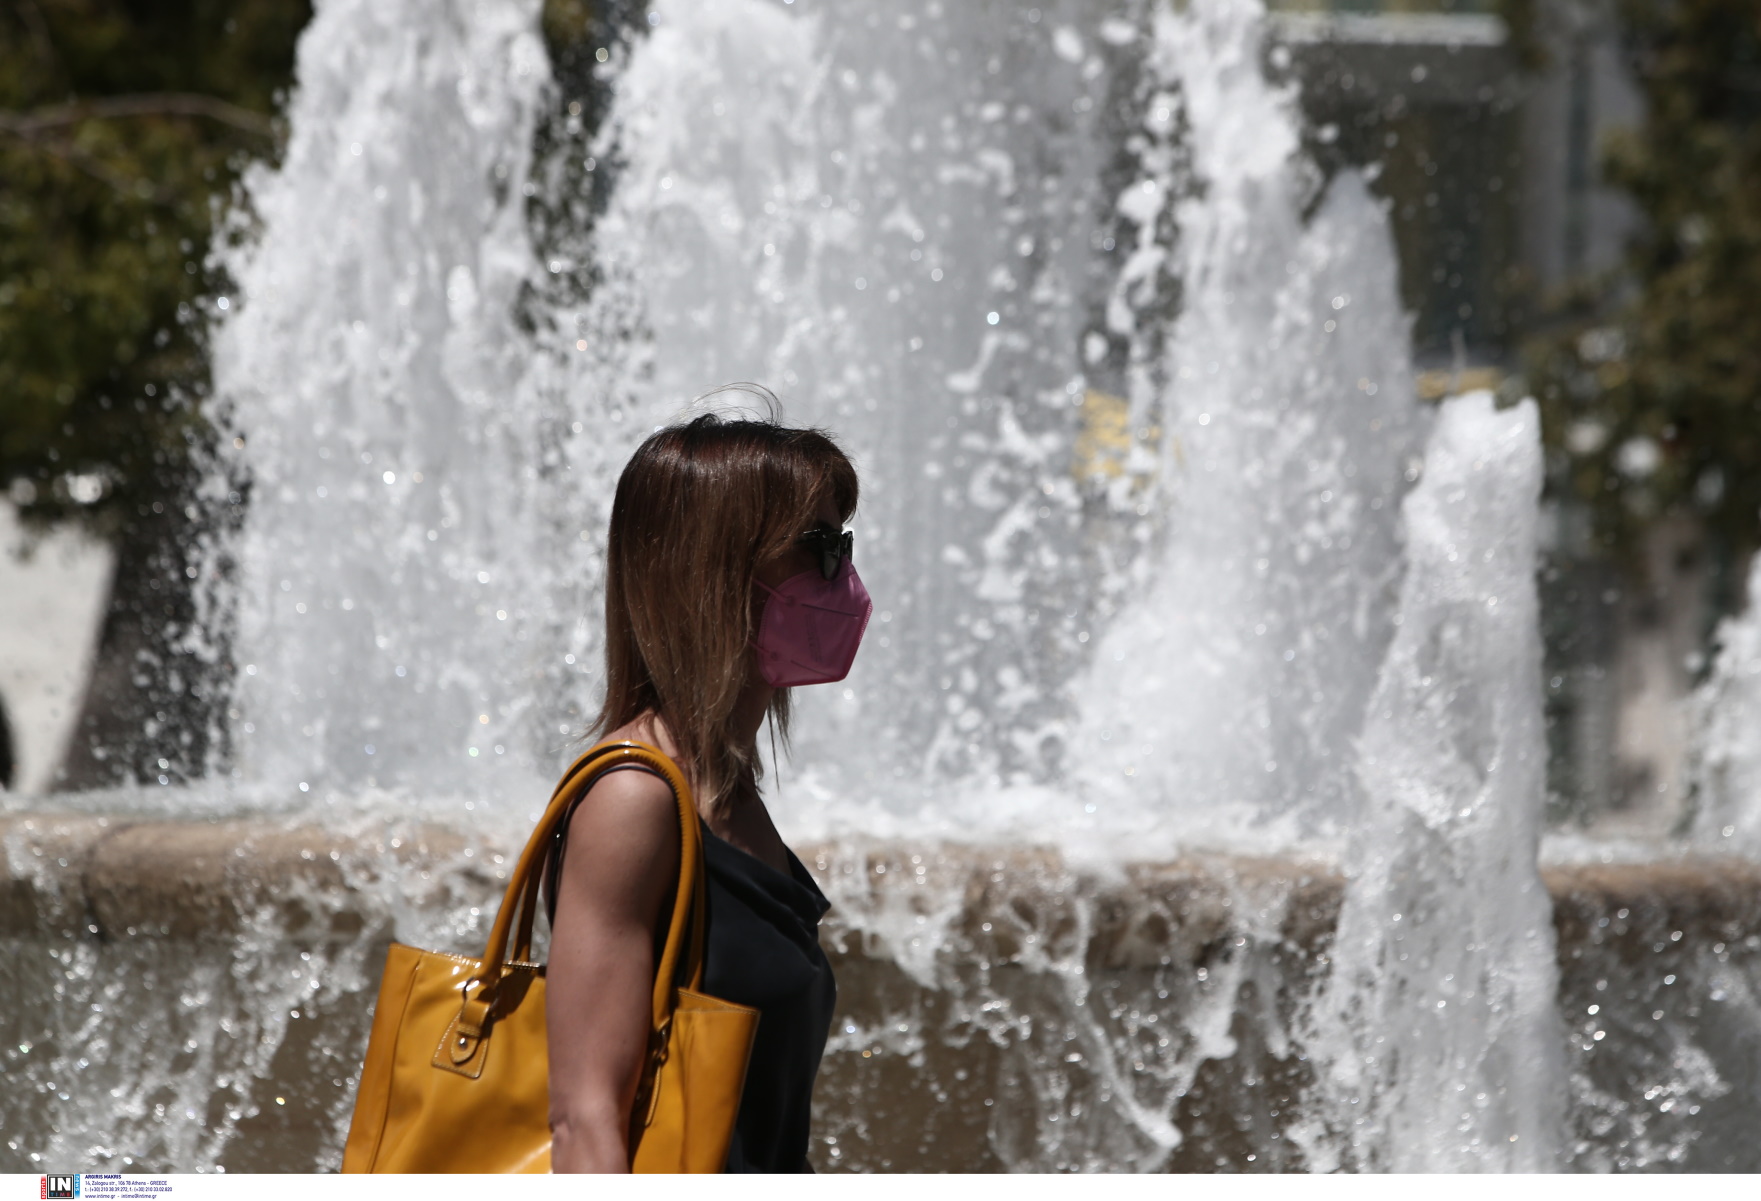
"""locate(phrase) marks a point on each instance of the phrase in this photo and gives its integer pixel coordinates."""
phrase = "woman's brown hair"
(698, 508)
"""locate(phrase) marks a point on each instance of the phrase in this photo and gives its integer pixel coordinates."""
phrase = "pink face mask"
(812, 627)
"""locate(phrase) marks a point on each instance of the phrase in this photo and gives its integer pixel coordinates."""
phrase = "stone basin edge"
(85, 875)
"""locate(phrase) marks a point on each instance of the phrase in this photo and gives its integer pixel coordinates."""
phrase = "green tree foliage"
(1653, 398)
(123, 125)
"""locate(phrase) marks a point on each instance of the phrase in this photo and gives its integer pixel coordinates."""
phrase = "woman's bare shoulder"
(627, 816)
(622, 849)
(629, 794)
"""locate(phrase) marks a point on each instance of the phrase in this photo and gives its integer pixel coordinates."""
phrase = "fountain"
(1438, 1018)
(1182, 810)
(395, 607)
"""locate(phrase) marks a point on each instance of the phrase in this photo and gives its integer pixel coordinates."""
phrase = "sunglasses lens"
(831, 548)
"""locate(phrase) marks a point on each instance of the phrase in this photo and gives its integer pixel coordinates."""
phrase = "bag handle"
(686, 930)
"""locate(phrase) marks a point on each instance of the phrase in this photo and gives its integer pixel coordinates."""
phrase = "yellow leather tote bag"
(457, 1077)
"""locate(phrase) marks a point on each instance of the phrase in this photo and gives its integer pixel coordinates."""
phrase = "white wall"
(53, 591)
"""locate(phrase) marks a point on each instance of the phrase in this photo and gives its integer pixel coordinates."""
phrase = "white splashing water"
(884, 242)
(429, 484)
(1228, 691)
(1436, 1037)
(403, 608)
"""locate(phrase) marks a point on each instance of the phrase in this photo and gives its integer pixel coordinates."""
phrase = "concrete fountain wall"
(147, 958)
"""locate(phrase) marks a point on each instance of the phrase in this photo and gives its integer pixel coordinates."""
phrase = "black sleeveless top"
(764, 952)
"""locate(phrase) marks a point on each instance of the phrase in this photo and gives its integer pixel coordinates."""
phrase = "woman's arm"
(620, 869)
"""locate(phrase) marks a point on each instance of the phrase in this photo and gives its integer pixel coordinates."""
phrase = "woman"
(728, 580)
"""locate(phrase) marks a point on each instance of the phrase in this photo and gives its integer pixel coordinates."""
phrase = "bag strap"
(686, 930)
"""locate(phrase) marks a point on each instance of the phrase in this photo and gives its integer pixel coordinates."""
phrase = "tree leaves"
(123, 127)
(1653, 391)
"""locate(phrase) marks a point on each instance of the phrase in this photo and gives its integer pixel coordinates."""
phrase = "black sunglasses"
(830, 546)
